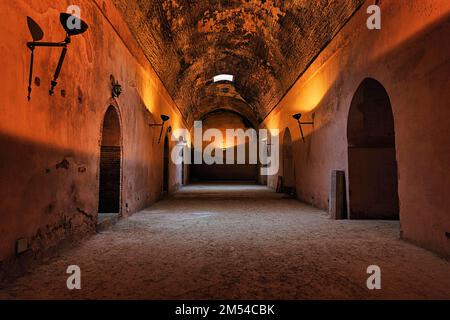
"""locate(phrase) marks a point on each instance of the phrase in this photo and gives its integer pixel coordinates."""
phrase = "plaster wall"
(223, 120)
(49, 146)
(410, 57)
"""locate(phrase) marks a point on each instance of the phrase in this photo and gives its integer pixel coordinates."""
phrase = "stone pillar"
(337, 195)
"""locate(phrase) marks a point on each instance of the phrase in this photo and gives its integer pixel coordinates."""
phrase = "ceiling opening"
(224, 77)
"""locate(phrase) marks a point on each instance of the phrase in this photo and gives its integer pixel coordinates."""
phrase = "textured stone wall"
(49, 146)
(411, 59)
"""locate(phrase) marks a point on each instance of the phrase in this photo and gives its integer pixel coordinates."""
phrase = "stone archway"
(110, 164)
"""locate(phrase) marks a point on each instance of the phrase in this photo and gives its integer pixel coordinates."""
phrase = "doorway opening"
(166, 165)
(288, 170)
(372, 165)
(182, 167)
(110, 166)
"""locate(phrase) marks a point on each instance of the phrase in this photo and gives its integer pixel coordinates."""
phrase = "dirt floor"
(239, 242)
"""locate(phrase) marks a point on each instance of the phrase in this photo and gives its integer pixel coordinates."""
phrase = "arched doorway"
(288, 163)
(372, 165)
(166, 165)
(264, 143)
(110, 164)
(182, 166)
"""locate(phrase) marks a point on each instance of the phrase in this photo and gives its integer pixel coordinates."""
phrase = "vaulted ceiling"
(265, 44)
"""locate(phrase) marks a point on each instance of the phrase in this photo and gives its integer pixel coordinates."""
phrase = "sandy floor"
(239, 242)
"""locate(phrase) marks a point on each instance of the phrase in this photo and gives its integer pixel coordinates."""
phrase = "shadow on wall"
(38, 182)
(42, 181)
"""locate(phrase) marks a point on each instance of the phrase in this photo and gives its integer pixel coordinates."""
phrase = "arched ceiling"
(265, 44)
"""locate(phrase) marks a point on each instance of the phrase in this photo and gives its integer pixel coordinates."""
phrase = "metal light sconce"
(116, 90)
(37, 34)
(297, 117)
(164, 119)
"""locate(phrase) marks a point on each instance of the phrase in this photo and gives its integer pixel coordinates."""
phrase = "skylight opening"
(224, 77)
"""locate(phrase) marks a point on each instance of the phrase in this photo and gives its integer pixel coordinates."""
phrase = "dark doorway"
(166, 165)
(372, 165)
(288, 163)
(182, 166)
(266, 145)
(110, 164)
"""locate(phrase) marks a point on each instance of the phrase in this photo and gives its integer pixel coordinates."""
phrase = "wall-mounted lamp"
(297, 117)
(116, 88)
(164, 119)
(72, 25)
